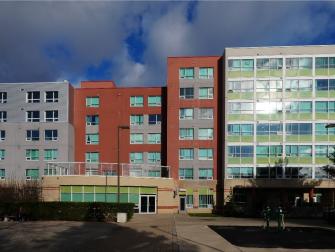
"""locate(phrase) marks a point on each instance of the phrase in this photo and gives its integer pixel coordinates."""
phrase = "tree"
(330, 168)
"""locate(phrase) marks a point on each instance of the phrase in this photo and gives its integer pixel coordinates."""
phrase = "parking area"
(163, 232)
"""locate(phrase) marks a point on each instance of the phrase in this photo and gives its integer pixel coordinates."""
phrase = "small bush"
(69, 211)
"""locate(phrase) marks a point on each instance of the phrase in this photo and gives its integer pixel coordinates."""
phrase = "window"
(186, 73)
(239, 172)
(298, 172)
(3, 97)
(136, 119)
(92, 120)
(321, 130)
(298, 85)
(2, 154)
(269, 107)
(269, 64)
(206, 113)
(50, 154)
(2, 135)
(33, 116)
(136, 138)
(324, 62)
(32, 135)
(325, 106)
(298, 150)
(136, 101)
(269, 151)
(154, 119)
(240, 151)
(186, 133)
(205, 154)
(32, 174)
(50, 135)
(205, 134)
(154, 101)
(185, 173)
(92, 138)
(154, 138)
(2, 174)
(299, 63)
(186, 154)
(323, 150)
(240, 129)
(51, 116)
(32, 154)
(298, 129)
(186, 93)
(299, 107)
(3, 116)
(186, 113)
(136, 157)
(325, 84)
(240, 86)
(154, 157)
(269, 129)
(206, 73)
(92, 157)
(51, 96)
(244, 65)
(205, 201)
(92, 102)
(206, 93)
(269, 86)
(205, 173)
(33, 97)
(240, 108)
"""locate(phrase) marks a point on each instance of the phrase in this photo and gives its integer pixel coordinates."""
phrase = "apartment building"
(35, 128)
(278, 101)
(192, 129)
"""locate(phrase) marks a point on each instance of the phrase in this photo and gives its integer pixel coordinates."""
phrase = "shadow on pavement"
(79, 236)
(292, 237)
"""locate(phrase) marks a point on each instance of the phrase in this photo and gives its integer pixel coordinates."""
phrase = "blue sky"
(128, 42)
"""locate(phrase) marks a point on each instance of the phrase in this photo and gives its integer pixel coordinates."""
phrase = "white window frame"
(89, 104)
(90, 142)
(54, 154)
(2, 138)
(33, 119)
(30, 157)
(207, 156)
(32, 138)
(157, 122)
(53, 138)
(157, 141)
(33, 100)
(135, 141)
(182, 157)
(136, 104)
(53, 99)
(205, 118)
(3, 97)
(208, 137)
(53, 118)
(210, 95)
(3, 116)
(2, 157)
(155, 104)
(186, 118)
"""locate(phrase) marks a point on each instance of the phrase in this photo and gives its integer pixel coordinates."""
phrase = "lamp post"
(119, 128)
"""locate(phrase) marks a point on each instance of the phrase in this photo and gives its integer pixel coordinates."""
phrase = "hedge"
(69, 211)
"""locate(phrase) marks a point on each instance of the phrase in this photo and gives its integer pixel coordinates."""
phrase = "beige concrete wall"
(167, 202)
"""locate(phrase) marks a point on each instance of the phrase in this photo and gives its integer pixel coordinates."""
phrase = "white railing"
(106, 169)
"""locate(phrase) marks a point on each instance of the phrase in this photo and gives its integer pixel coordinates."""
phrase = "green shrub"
(70, 211)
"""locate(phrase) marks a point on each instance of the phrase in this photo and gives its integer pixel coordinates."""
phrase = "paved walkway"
(162, 232)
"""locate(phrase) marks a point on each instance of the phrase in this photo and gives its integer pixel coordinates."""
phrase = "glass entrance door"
(182, 204)
(148, 204)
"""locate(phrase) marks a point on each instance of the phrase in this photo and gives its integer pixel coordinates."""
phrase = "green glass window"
(269, 151)
(205, 154)
(136, 119)
(240, 129)
(321, 130)
(186, 133)
(32, 154)
(240, 108)
(32, 174)
(154, 157)
(299, 63)
(92, 138)
(136, 101)
(240, 86)
(185, 173)
(186, 113)
(2, 154)
(298, 150)
(267, 64)
(136, 138)
(50, 154)
(186, 73)
(239, 172)
(206, 72)
(2, 173)
(154, 101)
(321, 151)
(240, 151)
(92, 120)
(92, 102)
(154, 138)
(186, 154)
(325, 106)
(206, 93)
(247, 65)
(205, 134)
(205, 173)
(136, 157)
(92, 157)
(299, 107)
(205, 201)
(321, 62)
